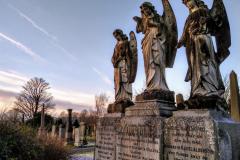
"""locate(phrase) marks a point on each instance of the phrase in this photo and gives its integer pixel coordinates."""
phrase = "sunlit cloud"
(22, 47)
(51, 37)
(75, 97)
(11, 84)
(104, 77)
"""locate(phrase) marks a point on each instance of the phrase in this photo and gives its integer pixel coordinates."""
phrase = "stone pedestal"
(154, 102)
(143, 134)
(201, 134)
(140, 137)
(136, 135)
(151, 108)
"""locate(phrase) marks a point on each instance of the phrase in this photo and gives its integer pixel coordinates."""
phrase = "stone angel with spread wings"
(159, 43)
(125, 61)
(201, 24)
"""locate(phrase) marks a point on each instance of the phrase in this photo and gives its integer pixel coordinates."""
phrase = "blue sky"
(69, 43)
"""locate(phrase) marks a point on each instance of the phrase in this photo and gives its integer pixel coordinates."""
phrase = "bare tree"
(101, 101)
(3, 113)
(34, 95)
(83, 115)
(15, 116)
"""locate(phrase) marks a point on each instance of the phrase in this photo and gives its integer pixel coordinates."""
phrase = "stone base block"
(151, 108)
(119, 106)
(142, 134)
(106, 136)
(201, 134)
(206, 102)
(156, 95)
(129, 138)
(140, 138)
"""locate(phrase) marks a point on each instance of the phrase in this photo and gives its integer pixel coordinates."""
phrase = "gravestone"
(106, 136)
(77, 140)
(235, 98)
(61, 133)
(201, 134)
(75, 125)
(54, 128)
(41, 129)
(82, 131)
(137, 134)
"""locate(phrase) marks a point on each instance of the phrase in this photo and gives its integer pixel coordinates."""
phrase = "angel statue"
(158, 45)
(124, 61)
(203, 72)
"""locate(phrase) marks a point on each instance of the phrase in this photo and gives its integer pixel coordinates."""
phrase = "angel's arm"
(138, 20)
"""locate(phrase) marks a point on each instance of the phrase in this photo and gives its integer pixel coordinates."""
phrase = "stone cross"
(69, 127)
(235, 98)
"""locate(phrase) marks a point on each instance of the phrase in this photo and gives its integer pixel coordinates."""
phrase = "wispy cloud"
(34, 24)
(22, 47)
(51, 37)
(104, 77)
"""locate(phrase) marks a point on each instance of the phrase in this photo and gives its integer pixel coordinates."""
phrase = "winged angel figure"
(201, 24)
(159, 43)
(125, 65)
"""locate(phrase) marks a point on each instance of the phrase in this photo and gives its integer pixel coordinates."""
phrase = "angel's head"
(194, 4)
(118, 34)
(147, 9)
(191, 4)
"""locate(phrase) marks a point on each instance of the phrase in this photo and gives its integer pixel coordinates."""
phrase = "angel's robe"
(123, 89)
(154, 54)
(203, 63)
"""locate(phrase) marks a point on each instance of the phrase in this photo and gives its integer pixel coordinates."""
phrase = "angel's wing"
(133, 58)
(221, 29)
(171, 33)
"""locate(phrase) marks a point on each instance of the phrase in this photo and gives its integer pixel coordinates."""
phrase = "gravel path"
(82, 154)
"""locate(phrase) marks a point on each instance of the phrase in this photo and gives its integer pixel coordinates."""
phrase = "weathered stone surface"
(54, 129)
(119, 106)
(156, 95)
(188, 135)
(139, 138)
(235, 98)
(180, 102)
(82, 132)
(106, 137)
(207, 102)
(77, 140)
(151, 108)
(201, 134)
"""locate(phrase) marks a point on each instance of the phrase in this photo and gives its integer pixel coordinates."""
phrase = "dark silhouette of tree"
(32, 98)
(101, 101)
(35, 122)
